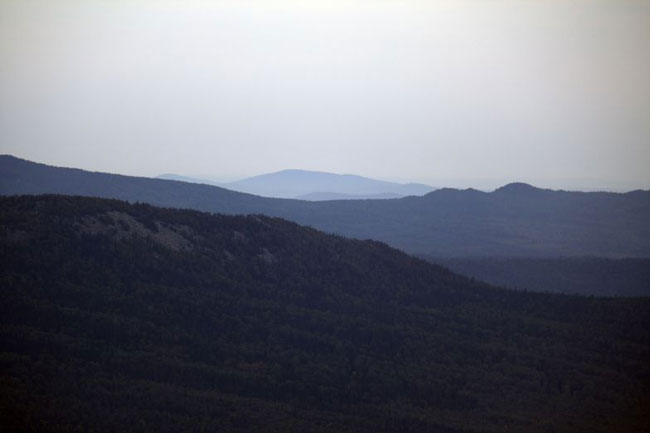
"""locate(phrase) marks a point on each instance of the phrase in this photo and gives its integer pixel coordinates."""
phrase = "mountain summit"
(518, 188)
(295, 183)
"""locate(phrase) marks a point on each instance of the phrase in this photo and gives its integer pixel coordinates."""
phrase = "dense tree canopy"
(127, 317)
(574, 275)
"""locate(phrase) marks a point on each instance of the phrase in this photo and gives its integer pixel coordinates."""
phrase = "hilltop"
(295, 183)
(313, 186)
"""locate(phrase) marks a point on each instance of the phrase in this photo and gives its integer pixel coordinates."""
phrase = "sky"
(452, 93)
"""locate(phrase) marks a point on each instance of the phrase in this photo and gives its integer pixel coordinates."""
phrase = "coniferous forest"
(127, 317)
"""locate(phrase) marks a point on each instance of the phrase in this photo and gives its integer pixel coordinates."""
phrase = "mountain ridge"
(326, 195)
(294, 183)
(446, 222)
(188, 179)
(518, 187)
(298, 178)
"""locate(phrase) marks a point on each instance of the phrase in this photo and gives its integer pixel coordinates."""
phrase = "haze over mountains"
(315, 185)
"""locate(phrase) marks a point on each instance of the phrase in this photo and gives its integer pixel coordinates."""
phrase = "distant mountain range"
(517, 220)
(315, 186)
(323, 196)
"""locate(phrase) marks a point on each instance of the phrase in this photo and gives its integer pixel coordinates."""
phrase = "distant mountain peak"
(326, 195)
(517, 187)
(291, 183)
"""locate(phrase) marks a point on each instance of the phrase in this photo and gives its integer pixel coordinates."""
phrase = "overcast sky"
(415, 90)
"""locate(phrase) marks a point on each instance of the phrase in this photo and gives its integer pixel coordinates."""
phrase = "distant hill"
(322, 196)
(299, 183)
(514, 221)
(282, 184)
(130, 318)
(171, 176)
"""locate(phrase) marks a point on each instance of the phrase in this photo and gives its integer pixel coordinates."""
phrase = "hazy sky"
(391, 89)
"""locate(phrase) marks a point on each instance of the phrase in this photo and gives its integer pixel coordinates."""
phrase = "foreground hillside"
(119, 317)
(515, 221)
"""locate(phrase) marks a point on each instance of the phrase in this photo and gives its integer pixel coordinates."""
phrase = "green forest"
(127, 317)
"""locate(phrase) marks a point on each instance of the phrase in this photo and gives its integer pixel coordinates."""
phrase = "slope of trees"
(122, 317)
(572, 275)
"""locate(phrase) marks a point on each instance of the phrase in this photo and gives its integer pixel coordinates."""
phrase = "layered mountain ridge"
(315, 186)
(514, 221)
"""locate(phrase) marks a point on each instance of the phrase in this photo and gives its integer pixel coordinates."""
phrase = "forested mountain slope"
(120, 317)
(514, 221)
(575, 275)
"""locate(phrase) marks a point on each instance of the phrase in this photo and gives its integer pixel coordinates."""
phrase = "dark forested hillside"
(515, 221)
(121, 317)
(576, 275)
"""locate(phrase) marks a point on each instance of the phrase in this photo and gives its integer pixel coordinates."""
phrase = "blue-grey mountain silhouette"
(301, 183)
(322, 196)
(514, 221)
(172, 176)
